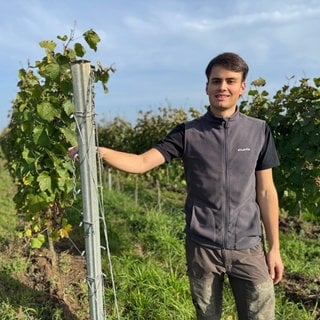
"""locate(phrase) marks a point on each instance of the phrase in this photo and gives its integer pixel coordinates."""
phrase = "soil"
(41, 272)
(294, 286)
(52, 281)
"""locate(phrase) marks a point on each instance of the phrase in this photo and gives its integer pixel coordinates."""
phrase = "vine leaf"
(79, 49)
(92, 39)
(40, 136)
(47, 111)
(44, 181)
(36, 243)
(48, 45)
(70, 135)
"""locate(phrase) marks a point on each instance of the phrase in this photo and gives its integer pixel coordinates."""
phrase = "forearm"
(129, 162)
(268, 202)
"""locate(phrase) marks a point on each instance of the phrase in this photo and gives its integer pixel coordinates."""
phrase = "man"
(228, 159)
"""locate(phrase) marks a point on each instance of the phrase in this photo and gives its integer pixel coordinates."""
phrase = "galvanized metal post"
(84, 114)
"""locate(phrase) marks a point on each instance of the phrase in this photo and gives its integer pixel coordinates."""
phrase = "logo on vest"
(244, 149)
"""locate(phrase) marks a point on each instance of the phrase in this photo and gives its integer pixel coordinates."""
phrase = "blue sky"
(161, 48)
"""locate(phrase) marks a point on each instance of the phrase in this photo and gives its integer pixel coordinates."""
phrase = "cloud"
(161, 48)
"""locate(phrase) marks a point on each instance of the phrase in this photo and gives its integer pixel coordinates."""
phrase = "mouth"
(221, 97)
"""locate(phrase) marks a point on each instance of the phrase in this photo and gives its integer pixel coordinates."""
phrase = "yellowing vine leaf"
(49, 45)
(64, 232)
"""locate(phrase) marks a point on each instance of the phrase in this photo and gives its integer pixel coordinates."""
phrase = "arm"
(129, 162)
(267, 199)
(132, 163)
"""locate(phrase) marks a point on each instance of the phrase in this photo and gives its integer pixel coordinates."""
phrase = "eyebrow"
(217, 78)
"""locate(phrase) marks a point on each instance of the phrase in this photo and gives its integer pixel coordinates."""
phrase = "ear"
(207, 88)
(243, 87)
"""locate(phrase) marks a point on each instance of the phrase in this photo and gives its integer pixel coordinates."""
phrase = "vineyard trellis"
(92, 198)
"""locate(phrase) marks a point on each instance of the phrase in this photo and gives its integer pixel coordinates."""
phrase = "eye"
(215, 81)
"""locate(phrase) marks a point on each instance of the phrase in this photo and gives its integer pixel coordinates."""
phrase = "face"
(224, 88)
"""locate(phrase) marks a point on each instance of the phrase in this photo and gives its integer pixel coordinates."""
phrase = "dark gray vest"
(220, 158)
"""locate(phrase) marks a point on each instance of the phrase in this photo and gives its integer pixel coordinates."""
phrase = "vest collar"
(212, 117)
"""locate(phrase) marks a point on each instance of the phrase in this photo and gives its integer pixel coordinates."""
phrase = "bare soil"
(61, 285)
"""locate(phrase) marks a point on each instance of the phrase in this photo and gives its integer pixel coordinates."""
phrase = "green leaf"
(104, 77)
(68, 107)
(47, 111)
(44, 181)
(27, 155)
(52, 71)
(92, 39)
(253, 92)
(40, 136)
(70, 135)
(260, 82)
(105, 88)
(26, 127)
(62, 181)
(316, 82)
(70, 54)
(36, 243)
(36, 202)
(63, 38)
(79, 49)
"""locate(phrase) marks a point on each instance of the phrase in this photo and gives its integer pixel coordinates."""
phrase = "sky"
(160, 49)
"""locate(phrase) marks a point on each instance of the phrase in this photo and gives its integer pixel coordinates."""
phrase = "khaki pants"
(248, 276)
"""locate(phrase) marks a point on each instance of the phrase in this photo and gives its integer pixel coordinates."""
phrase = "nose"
(223, 85)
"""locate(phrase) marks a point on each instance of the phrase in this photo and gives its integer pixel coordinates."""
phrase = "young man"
(228, 159)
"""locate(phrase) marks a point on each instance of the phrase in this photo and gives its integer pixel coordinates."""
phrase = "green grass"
(8, 219)
(148, 258)
(145, 238)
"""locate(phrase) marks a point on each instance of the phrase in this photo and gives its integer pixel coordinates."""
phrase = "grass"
(8, 218)
(147, 251)
(158, 237)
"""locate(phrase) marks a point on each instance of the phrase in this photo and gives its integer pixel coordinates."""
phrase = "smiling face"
(224, 88)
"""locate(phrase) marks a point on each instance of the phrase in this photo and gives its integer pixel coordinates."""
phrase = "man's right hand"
(73, 153)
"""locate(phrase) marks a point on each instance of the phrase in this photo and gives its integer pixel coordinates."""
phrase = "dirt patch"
(296, 225)
(64, 284)
(297, 289)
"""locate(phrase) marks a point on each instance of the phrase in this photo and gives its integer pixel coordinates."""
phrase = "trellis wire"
(105, 230)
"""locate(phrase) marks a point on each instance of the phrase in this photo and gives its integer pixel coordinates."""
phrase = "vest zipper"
(226, 216)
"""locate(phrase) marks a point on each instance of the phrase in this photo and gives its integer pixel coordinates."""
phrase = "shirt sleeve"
(172, 146)
(268, 157)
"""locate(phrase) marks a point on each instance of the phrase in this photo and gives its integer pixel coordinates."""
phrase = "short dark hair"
(230, 61)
